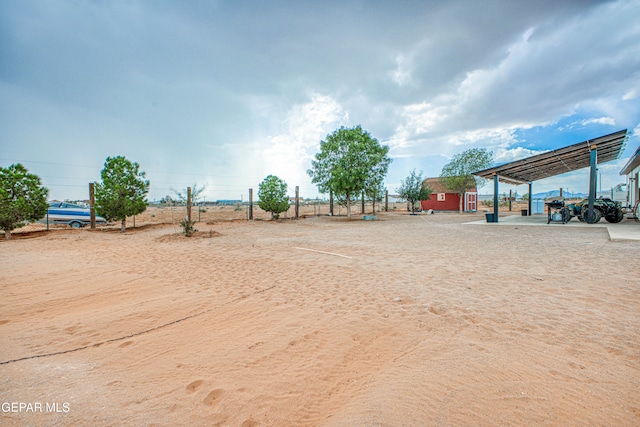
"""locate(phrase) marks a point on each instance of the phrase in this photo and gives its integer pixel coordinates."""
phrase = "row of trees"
(121, 193)
(350, 163)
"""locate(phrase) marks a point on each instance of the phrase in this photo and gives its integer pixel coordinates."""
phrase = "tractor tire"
(597, 215)
(615, 217)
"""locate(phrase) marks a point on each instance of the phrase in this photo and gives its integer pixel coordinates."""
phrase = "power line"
(45, 163)
(164, 186)
(145, 171)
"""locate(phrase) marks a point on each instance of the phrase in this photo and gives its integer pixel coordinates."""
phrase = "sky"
(224, 93)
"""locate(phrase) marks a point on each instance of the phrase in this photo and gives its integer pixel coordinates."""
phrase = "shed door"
(470, 202)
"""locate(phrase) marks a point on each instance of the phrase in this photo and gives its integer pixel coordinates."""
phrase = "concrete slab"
(627, 229)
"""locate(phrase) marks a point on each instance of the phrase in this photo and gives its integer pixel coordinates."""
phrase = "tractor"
(602, 207)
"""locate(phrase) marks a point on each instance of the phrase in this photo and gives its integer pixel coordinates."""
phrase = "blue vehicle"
(73, 215)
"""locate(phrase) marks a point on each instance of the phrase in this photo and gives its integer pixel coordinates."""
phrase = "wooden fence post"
(92, 202)
(386, 201)
(297, 201)
(251, 204)
(330, 203)
(188, 204)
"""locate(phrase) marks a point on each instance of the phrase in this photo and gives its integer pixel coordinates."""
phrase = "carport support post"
(530, 197)
(593, 177)
(92, 202)
(251, 204)
(495, 197)
(297, 201)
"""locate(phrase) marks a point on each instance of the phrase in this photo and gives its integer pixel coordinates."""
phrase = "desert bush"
(188, 227)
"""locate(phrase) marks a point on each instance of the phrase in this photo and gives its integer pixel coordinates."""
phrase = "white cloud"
(404, 68)
(547, 73)
(506, 155)
(416, 121)
(224, 87)
(488, 137)
(288, 154)
(630, 94)
(599, 120)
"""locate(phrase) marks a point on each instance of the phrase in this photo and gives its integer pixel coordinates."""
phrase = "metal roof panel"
(556, 162)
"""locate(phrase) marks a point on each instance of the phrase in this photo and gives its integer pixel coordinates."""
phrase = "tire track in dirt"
(146, 331)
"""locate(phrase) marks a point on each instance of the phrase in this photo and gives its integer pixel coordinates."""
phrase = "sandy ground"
(403, 321)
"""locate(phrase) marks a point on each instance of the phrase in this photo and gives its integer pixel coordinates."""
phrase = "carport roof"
(634, 162)
(556, 162)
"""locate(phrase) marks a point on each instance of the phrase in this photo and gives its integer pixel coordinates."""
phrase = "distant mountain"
(556, 193)
(568, 195)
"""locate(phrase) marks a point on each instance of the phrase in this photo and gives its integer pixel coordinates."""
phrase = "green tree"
(23, 199)
(272, 195)
(457, 175)
(414, 190)
(374, 193)
(349, 162)
(123, 190)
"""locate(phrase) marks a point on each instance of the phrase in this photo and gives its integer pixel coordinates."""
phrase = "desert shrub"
(489, 203)
(188, 227)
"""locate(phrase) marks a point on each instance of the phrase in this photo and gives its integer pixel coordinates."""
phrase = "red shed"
(443, 200)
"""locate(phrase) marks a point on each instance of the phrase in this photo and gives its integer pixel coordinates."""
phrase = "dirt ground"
(403, 321)
(173, 215)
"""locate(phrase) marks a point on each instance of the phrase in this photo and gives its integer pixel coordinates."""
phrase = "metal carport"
(573, 157)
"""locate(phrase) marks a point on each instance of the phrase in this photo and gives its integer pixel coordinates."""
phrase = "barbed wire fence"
(168, 211)
(211, 213)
